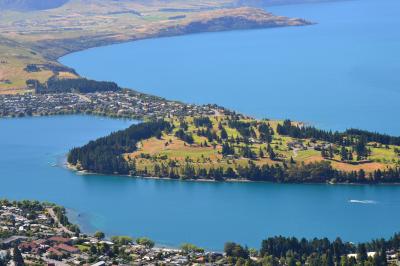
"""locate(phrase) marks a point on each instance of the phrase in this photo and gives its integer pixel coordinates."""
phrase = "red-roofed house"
(67, 248)
(28, 246)
(59, 240)
(55, 252)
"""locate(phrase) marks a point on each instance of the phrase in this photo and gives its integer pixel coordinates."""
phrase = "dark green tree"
(362, 255)
(99, 235)
(271, 152)
(17, 257)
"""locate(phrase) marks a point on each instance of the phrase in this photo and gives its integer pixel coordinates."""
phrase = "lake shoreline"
(230, 180)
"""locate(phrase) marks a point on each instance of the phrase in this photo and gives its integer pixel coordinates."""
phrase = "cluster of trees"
(244, 128)
(354, 138)
(350, 137)
(81, 85)
(247, 130)
(205, 129)
(209, 134)
(346, 155)
(117, 250)
(32, 68)
(105, 155)
(188, 248)
(25, 205)
(291, 251)
(374, 137)
(232, 249)
(317, 172)
(186, 137)
(360, 149)
(247, 152)
(61, 214)
(203, 122)
(266, 132)
(144, 241)
(227, 149)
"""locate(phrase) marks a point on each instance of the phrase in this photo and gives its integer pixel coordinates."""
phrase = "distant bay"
(337, 74)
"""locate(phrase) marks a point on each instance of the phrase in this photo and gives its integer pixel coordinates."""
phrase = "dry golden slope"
(43, 36)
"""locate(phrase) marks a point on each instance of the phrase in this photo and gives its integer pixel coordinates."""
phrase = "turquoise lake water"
(337, 74)
(342, 72)
(32, 152)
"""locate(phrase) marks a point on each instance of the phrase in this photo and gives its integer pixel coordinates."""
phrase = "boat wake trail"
(362, 201)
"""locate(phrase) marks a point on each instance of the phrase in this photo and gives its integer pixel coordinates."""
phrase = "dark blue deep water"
(342, 72)
(32, 152)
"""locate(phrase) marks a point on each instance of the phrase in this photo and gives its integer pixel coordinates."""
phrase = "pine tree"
(324, 154)
(271, 152)
(362, 253)
(343, 154)
(350, 156)
(331, 153)
(224, 134)
(261, 153)
(17, 257)
(383, 257)
(329, 259)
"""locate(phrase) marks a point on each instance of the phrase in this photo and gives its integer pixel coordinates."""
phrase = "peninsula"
(238, 148)
(207, 142)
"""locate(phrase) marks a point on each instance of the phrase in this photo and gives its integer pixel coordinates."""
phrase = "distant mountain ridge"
(30, 5)
(275, 2)
(27, 5)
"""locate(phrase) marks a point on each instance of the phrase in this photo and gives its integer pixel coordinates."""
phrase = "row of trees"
(350, 137)
(81, 85)
(204, 121)
(244, 128)
(317, 172)
(291, 251)
(186, 137)
(61, 214)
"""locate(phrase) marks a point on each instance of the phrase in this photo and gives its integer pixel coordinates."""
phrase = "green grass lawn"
(384, 155)
(207, 157)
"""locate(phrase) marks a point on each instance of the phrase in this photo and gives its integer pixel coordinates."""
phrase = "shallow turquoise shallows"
(342, 72)
(32, 153)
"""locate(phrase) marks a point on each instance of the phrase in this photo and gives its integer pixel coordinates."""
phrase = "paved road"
(12, 239)
(62, 228)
